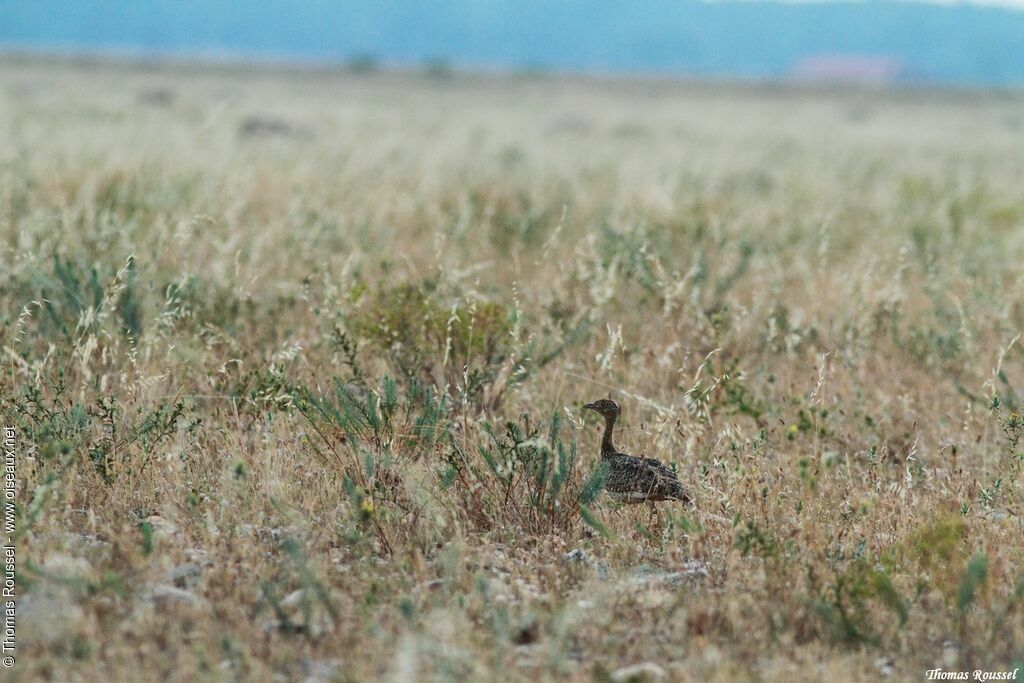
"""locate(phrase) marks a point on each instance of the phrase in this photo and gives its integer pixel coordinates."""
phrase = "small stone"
(293, 599)
(577, 555)
(885, 665)
(995, 515)
(87, 541)
(580, 556)
(49, 618)
(673, 579)
(199, 556)
(646, 672)
(66, 566)
(321, 670)
(431, 585)
(950, 654)
(161, 527)
(648, 576)
(528, 655)
(316, 621)
(185, 575)
(695, 569)
(171, 594)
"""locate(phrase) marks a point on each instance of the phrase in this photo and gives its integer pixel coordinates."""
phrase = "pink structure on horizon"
(860, 69)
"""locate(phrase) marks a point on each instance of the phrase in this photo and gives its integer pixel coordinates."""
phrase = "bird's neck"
(607, 447)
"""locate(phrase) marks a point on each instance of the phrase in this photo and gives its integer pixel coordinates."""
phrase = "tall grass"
(301, 400)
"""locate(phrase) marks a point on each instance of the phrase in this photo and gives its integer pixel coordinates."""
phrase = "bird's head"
(605, 407)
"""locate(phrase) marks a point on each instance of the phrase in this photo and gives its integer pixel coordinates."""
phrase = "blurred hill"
(925, 43)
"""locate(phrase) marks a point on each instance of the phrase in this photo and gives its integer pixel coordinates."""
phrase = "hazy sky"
(1018, 4)
(979, 43)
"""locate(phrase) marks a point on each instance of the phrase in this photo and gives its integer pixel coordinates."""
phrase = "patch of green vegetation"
(427, 341)
(850, 608)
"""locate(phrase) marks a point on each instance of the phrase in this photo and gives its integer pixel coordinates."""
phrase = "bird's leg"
(653, 516)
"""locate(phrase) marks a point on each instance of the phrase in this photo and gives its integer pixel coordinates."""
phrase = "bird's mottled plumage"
(630, 479)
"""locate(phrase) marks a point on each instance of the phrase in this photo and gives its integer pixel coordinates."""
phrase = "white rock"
(637, 673)
(185, 575)
(577, 555)
(995, 515)
(48, 618)
(66, 566)
(695, 569)
(161, 527)
(322, 670)
(293, 599)
(171, 594)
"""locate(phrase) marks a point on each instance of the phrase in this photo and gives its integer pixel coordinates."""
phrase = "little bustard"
(629, 479)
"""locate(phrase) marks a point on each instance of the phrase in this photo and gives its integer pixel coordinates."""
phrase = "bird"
(629, 479)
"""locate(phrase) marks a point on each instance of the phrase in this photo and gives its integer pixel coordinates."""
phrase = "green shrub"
(464, 343)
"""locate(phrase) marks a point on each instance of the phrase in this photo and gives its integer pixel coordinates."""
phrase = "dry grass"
(296, 364)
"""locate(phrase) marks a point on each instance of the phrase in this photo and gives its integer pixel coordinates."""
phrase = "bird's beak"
(590, 406)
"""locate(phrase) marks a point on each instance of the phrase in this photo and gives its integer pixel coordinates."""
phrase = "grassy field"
(296, 363)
